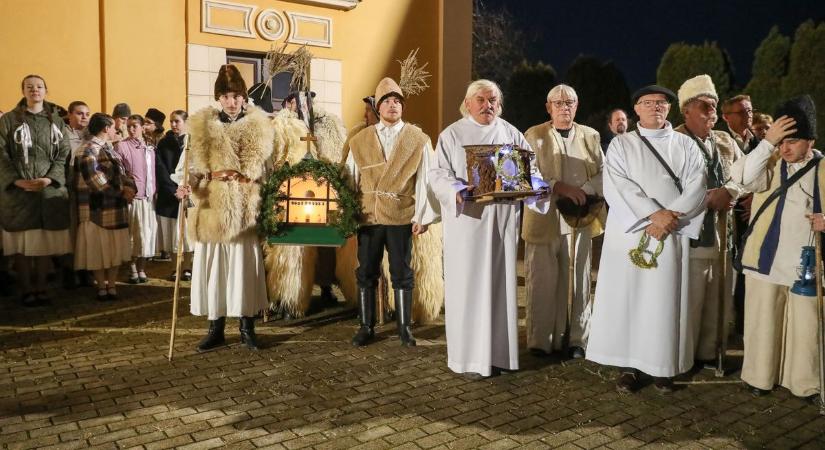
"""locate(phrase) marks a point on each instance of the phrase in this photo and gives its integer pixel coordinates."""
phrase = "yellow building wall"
(368, 40)
(58, 40)
(145, 55)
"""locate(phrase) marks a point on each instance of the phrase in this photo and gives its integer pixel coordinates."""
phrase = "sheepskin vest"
(226, 209)
(388, 187)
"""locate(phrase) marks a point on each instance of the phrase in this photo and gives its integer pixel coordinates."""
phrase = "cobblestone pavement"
(82, 374)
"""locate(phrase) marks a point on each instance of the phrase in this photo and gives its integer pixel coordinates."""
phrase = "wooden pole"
(820, 315)
(571, 279)
(721, 338)
(181, 237)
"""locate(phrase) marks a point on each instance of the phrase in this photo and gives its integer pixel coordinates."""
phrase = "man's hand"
(817, 222)
(718, 199)
(419, 229)
(781, 128)
(128, 193)
(26, 185)
(665, 220)
(459, 196)
(183, 191)
(578, 196)
(656, 232)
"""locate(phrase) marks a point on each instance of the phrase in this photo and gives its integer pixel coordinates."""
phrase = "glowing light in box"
(309, 201)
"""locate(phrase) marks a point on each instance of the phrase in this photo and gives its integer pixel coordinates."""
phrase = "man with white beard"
(654, 182)
(480, 242)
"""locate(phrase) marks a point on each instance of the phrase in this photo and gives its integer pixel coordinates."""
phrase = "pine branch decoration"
(413, 79)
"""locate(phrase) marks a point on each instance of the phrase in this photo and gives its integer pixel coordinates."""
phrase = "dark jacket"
(48, 209)
(167, 155)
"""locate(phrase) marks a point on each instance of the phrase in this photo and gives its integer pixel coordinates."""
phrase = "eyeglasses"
(563, 103)
(652, 103)
(745, 112)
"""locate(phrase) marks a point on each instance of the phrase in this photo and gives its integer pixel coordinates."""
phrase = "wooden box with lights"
(499, 172)
(310, 203)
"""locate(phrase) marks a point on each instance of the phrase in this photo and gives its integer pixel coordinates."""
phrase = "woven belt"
(227, 175)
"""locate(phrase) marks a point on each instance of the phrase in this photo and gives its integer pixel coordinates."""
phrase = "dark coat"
(48, 209)
(167, 155)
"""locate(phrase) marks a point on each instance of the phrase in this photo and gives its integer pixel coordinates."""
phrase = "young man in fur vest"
(389, 163)
(780, 326)
(229, 150)
(697, 102)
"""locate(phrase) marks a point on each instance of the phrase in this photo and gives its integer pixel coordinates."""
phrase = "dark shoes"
(628, 382)
(576, 352)
(366, 308)
(215, 336)
(247, 329)
(403, 309)
(663, 385)
(757, 392)
(538, 353)
(328, 299)
(187, 275)
(35, 299)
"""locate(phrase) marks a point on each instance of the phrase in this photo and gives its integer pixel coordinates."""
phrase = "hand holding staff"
(181, 236)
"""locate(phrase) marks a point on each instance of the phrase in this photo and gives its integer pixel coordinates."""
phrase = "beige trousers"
(704, 305)
(780, 339)
(546, 267)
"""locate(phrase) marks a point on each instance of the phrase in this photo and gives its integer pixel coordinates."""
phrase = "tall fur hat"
(803, 110)
(695, 87)
(385, 88)
(230, 80)
(156, 116)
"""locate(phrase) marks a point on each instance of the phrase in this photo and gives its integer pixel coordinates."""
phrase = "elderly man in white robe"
(654, 182)
(480, 242)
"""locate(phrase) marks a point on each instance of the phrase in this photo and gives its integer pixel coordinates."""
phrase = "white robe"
(641, 316)
(480, 249)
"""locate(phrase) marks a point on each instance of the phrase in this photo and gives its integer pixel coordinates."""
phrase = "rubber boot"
(366, 306)
(247, 329)
(215, 337)
(403, 315)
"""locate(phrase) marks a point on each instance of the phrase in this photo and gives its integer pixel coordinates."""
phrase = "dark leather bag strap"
(661, 160)
(737, 263)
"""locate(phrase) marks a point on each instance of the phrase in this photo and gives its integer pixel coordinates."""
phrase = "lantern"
(806, 284)
(306, 204)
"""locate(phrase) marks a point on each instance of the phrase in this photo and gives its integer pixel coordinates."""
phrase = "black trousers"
(325, 267)
(372, 240)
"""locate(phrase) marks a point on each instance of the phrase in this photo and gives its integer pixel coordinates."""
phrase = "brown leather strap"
(227, 175)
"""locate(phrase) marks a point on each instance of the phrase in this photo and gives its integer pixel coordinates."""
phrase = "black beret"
(803, 110)
(654, 89)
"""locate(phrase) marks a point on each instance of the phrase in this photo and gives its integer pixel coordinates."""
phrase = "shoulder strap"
(737, 263)
(661, 160)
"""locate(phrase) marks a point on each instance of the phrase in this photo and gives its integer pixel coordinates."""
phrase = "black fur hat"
(803, 110)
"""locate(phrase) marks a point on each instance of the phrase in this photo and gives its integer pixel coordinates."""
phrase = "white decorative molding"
(207, 26)
(295, 36)
(346, 5)
(270, 25)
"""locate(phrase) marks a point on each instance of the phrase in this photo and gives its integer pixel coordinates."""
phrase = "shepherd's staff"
(820, 316)
(721, 346)
(181, 231)
(571, 277)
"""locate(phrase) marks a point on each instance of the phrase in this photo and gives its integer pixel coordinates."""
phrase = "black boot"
(366, 305)
(248, 333)
(403, 315)
(214, 337)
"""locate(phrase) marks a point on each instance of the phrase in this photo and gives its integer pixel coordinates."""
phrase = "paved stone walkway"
(81, 374)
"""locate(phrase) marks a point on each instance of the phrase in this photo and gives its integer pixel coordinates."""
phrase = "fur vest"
(225, 209)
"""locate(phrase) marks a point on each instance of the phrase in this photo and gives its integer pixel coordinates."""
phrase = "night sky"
(635, 34)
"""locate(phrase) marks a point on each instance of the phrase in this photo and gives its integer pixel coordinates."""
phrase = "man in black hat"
(780, 326)
(655, 185)
(121, 113)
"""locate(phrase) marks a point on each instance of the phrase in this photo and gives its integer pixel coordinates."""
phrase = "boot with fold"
(366, 307)
(247, 329)
(403, 316)
(215, 337)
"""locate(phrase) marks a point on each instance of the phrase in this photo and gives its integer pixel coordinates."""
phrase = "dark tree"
(525, 94)
(806, 68)
(601, 86)
(770, 65)
(498, 44)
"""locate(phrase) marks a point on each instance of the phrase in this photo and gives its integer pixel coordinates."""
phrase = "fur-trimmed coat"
(225, 209)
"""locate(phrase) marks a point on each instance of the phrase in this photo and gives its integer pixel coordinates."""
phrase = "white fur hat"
(696, 86)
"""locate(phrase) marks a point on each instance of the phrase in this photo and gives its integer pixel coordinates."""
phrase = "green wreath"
(345, 219)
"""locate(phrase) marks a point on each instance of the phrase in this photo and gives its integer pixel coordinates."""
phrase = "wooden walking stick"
(181, 237)
(820, 315)
(721, 338)
(571, 274)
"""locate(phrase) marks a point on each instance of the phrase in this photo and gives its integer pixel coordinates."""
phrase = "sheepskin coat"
(225, 209)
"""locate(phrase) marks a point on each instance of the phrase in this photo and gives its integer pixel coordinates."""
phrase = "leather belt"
(227, 175)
